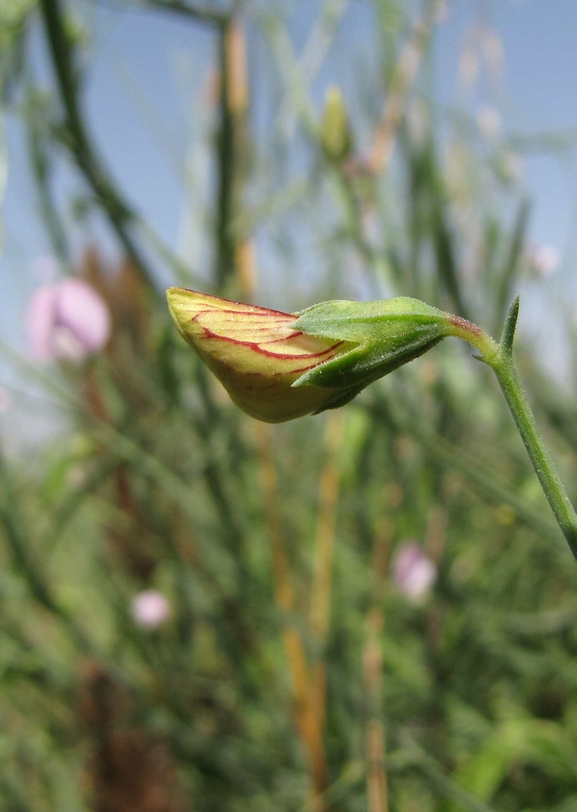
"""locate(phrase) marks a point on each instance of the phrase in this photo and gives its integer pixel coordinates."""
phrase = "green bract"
(388, 333)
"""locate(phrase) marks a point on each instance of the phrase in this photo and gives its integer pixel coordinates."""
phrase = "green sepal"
(388, 334)
(341, 399)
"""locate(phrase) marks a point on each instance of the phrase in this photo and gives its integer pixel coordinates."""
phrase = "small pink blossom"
(150, 609)
(544, 259)
(5, 400)
(67, 320)
(413, 572)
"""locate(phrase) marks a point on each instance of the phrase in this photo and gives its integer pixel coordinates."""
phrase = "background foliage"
(293, 674)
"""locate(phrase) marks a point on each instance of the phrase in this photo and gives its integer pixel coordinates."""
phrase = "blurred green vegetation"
(293, 673)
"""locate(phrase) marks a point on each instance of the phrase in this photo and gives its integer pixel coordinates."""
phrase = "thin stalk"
(226, 166)
(238, 102)
(400, 83)
(49, 213)
(284, 594)
(500, 358)
(18, 544)
(78, 141)
(200, 12)
(321, 592)
(374, 732)
(553, 488)
(231, 146)
(431, 768)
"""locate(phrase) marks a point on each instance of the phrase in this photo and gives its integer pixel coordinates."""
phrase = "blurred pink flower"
(544, 259)
(68, 320)
(5, 400)
(413, 572)
(150, 609)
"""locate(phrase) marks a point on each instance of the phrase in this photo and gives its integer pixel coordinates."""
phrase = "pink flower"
(413, 572)
(150, 609)
(545, 259)
(67, 320)
(5, 400)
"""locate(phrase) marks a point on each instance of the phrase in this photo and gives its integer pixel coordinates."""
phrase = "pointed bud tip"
(177, 308)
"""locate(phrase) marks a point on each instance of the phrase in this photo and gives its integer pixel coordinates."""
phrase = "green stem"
(119, 214)
(227, 166)
(542, 463)
(500, 358)
(199, 11)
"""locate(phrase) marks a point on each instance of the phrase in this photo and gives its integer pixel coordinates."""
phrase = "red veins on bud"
(256, 353)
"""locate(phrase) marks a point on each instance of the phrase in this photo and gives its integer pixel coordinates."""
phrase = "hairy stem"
(500, 358)
(540, 458)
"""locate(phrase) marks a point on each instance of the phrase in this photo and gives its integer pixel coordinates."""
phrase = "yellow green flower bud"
(277, 366)
(255, 353)
(335, 136)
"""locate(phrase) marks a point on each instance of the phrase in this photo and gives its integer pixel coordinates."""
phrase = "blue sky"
(149, 74)
(538, 93)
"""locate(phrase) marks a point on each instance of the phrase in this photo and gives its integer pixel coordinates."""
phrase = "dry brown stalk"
(126, 297)
(402, 78)
(284, 595)
(321, 590)
(246, 266)
(233, 150)
(237, 84)
(375, 740)
(234, 79)
(130, 770)
(436, 533)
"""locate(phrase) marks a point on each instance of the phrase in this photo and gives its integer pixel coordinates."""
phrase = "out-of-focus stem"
(379, 157)
(400, 82)
(232, 145)
(326, 526)
(284, 595)
(200, 12)
(375, 738)
(41, 169)
(11, 518)
(483, 479)
(117, 210)
(321, 589)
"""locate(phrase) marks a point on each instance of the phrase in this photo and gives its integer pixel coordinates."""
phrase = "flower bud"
(277, 366)
(255, 353)
(335, 134)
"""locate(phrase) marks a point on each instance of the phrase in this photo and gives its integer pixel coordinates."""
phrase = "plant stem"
(542, 463)
(199, 11)
(500, 358)
(119, 214)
